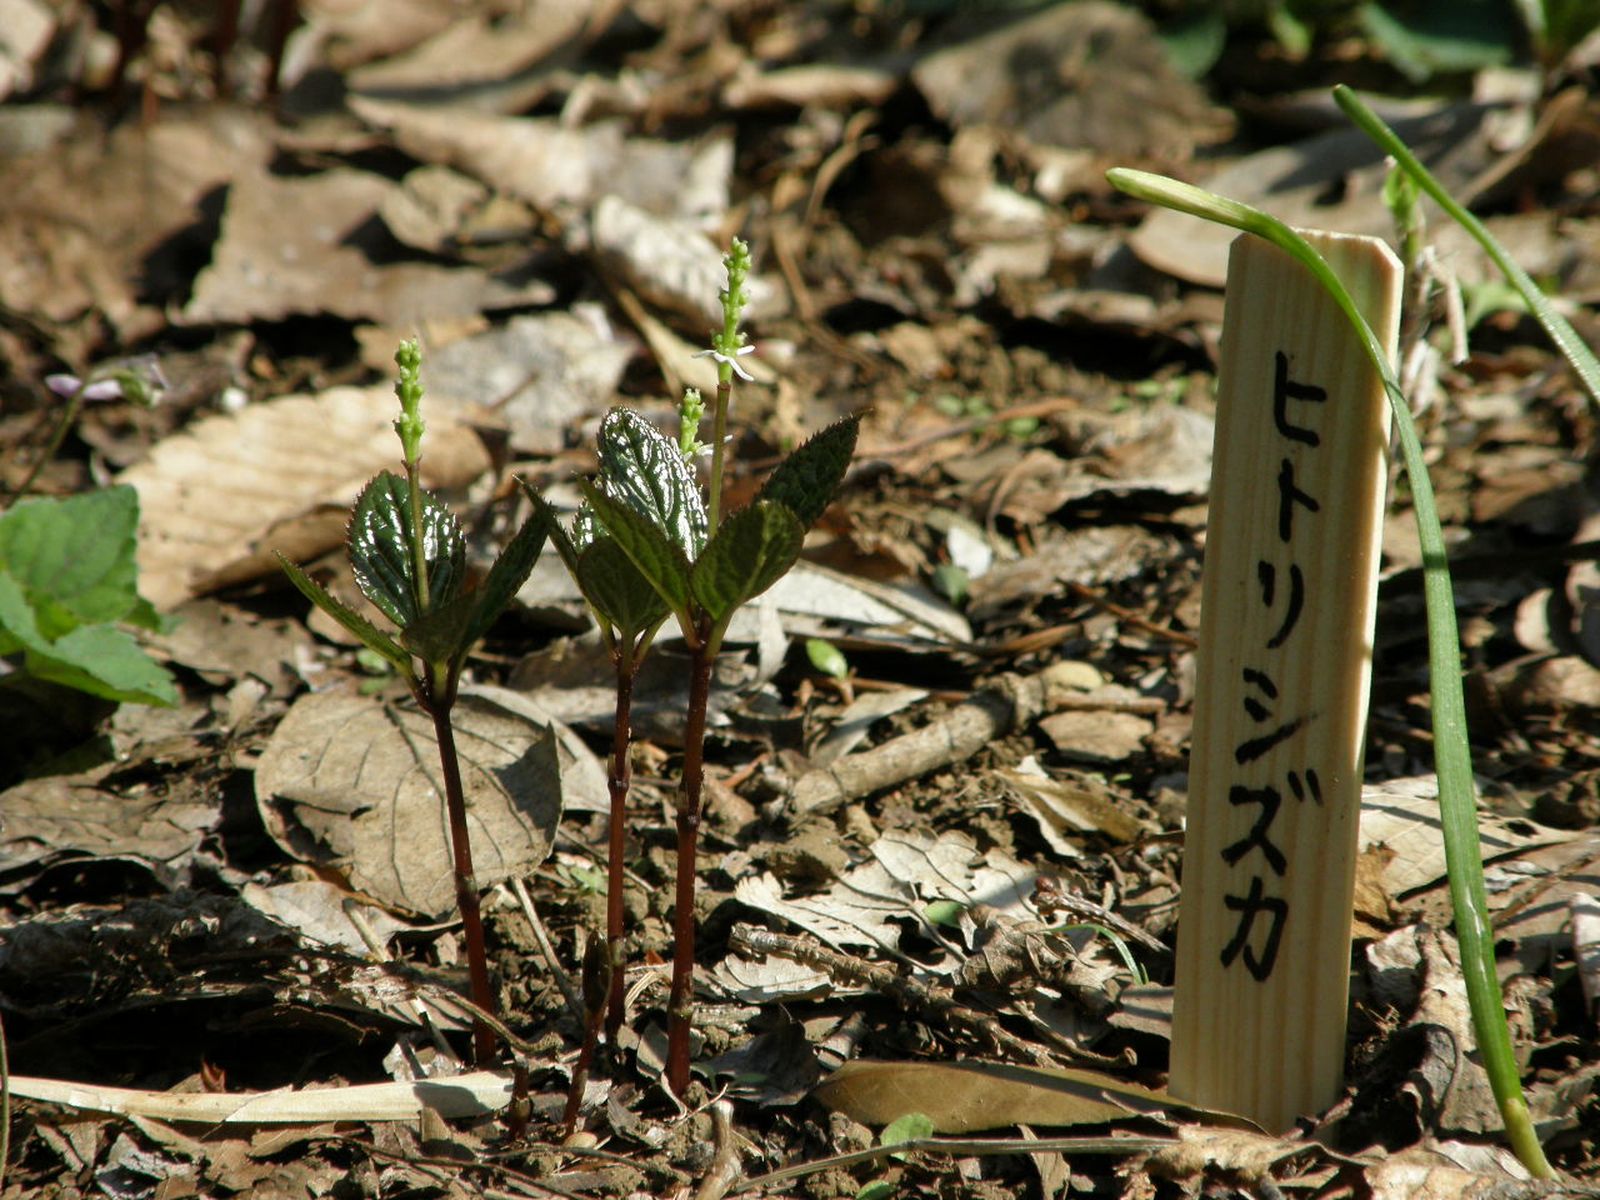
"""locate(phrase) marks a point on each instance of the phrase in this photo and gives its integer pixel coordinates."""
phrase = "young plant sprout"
(659, 548)
(409, 555)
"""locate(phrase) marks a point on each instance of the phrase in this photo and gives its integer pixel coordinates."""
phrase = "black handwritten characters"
(1263, 916)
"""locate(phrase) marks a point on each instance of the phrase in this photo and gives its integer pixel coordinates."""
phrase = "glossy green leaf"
(827, 658)
(661, 561)
(750, 552)
(74, 557)
(642, 467)
(616, 590)
(804, 482)
(371, 636)
(380, 548)
(507, 574)
(97, 659)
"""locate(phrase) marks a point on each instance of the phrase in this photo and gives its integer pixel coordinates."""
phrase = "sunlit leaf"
(642, 467)
(805, 482)
(380, 548)
(750, 552)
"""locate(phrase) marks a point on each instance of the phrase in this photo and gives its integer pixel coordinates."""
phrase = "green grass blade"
(1452, 755)
(1583, 361)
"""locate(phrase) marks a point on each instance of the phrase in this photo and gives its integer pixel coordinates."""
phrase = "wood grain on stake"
(1281, 692)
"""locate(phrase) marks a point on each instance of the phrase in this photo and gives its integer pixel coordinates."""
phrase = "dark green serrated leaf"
(508, 573)
(660, 560)
(74, 557)
(439, 636)
(97, 659)
(804, 482)
(371, 636)
(380, 548)
(751, 552)
(616, 590)
(643, 468)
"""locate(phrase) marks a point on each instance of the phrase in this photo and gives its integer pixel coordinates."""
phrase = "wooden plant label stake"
(1285, 658)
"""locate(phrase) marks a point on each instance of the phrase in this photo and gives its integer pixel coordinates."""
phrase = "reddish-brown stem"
(483, 1041)
(680, 1003)
(617, 783)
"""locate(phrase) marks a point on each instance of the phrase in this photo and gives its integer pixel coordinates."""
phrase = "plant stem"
(617, 784)
(719, 438)
(680, 1003)
(58, 436)
(483, 1043)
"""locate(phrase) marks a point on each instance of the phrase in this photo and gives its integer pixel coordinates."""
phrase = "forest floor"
(1009, 575)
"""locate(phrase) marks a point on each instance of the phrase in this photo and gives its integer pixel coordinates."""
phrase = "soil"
(936, 247)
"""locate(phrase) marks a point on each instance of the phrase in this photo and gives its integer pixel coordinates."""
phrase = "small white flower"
(731, 360)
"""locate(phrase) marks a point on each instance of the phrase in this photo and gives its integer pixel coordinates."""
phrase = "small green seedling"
(409, 557)
(661, 548)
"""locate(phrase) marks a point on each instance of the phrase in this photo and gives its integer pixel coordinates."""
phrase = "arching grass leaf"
(749, 553)
(805, 482)
(642, 467)
(380, 548)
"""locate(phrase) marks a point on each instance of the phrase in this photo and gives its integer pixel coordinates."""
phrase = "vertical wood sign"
(1286, 624)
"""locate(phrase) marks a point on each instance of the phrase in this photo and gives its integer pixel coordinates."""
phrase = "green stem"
(719, 438)
(680, 1003)
(419, 548)
(1452, 754)
(56, 438)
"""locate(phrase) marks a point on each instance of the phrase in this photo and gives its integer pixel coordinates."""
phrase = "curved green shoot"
(1452, 756)
(1560, 330)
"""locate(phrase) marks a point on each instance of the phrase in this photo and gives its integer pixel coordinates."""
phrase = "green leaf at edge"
(75, 556)
(371, 636)
(99, 659)
(804, 482)
(750, 552)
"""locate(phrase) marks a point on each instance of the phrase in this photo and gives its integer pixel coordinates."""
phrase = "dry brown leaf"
(552, 165)
(79, 220)
(1091, 74)
(293, 245)
(964, 1097)
(349, 782)
(216, 499)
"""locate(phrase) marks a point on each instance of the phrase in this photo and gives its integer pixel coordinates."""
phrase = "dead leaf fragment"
(964, 1097)
(295, 245)
(349, 782)
(1090, 74)
(216, 499)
